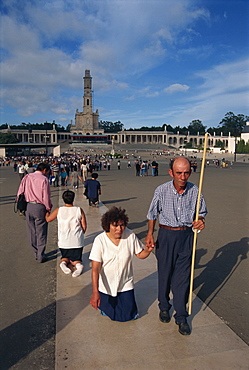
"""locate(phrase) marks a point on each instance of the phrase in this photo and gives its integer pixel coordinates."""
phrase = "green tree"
(242, 147)
(182, 130)
(219, 144)
(233, 124)
(8, 138)
(169, 128)
(216, 130)
(188, 145)
(196, 126)
(111, 126)
(152, 128)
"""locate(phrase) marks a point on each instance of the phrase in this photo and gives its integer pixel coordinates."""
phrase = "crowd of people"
(66, 170)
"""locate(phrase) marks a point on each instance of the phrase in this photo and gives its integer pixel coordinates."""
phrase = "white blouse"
(70, 232)
(116, 274)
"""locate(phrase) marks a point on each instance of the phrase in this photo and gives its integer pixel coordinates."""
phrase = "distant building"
(87, 127)
(245, 133)
(170, 139)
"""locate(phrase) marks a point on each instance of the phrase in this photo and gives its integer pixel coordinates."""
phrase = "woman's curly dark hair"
(112, 217)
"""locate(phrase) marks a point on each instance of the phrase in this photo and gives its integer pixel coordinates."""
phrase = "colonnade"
(176, 140)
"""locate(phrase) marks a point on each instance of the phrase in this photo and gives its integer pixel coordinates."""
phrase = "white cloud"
(225, 78)
(175, 88)
(224, 88)
(47, 45)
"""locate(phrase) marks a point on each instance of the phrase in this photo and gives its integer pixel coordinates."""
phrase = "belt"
(174, 228)
(34, 203)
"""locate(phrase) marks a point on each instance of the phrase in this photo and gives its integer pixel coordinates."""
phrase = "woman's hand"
(95, 300)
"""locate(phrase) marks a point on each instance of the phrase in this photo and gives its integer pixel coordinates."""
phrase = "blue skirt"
(120, 308)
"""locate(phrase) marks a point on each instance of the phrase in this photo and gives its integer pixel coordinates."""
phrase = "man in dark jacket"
(93, 189)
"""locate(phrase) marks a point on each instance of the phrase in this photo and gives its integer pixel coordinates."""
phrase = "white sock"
(65, 269)
(78, 271)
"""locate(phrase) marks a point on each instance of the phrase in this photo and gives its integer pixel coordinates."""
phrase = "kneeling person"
(112, 273)
(71, 228)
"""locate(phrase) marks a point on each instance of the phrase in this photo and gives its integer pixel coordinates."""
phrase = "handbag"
(21, 204)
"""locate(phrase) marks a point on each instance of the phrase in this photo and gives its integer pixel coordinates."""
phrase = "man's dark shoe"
(164, 316)
(184, 328)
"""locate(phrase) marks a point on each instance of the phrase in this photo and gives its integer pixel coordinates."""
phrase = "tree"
(68, 127)
(196, 126)
(233, 124)
(152, 128)
(219, 144)
(188, 145)
(111, 127)
(8, 138)
(216, 130)
(182, 130)
(169, 128)
(242, 147)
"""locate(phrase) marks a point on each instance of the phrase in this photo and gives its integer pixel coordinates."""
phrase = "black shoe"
(164, 316)
(184, 328)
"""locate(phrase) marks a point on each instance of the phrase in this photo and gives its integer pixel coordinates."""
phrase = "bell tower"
(87, 98)
(87, 122)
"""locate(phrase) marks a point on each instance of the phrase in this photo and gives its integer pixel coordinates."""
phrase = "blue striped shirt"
(175, 209)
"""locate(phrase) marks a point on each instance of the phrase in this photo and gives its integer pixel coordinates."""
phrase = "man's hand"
(150, 249)
(150, 243)
(199, 225)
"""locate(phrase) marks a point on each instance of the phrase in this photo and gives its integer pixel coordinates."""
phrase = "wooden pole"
(196, 219)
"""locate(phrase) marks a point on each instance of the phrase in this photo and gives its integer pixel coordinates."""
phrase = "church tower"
(87, 122)
(87, 98)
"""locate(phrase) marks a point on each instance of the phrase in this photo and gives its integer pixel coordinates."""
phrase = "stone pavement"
(87, 340)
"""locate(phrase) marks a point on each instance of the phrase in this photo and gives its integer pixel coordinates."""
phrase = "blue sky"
(152, 61)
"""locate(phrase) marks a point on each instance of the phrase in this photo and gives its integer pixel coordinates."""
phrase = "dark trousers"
(37, 229)
(57, 178)
(173, 252)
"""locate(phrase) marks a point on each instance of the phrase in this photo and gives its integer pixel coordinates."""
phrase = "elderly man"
(36, 189)
(174, 202)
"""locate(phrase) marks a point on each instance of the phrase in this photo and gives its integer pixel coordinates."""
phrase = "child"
(64, 177)
(71, 228)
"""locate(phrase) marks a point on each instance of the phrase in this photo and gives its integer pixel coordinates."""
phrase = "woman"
(112, 273)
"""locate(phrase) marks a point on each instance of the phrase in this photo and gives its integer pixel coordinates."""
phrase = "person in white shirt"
(84, 170)
(22, 170)
(71, 228)
(112, 274)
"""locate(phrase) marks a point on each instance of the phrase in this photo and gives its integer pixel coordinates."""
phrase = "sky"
(153, 62)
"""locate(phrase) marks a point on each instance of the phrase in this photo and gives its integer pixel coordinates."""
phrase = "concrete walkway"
(87, 340)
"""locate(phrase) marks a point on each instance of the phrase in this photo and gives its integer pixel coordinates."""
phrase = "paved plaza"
(87, 340)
